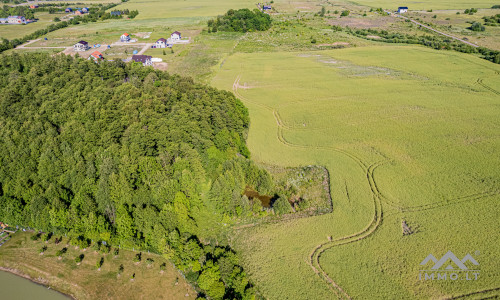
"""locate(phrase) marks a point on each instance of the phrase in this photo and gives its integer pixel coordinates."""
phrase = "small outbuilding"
(116, 13)
(402, 9)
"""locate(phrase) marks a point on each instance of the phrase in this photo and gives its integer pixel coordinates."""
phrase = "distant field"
(407, 133)
(427, 4)
(18, 31)
(85, 281)
(153, 9)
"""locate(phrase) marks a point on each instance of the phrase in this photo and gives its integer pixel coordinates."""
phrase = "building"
(125, 37)
(96, 56)
(161, 43)
(33, 6)
(402, 9)
(145, 60)
(16, 20)
(79, 12)
(175, 36)
(68, 10)
(85, 10)
(267, 7)
(81, 46)
(3, 21)
(116, 13)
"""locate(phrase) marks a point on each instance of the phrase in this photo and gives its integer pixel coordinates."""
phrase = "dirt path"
(430, 28)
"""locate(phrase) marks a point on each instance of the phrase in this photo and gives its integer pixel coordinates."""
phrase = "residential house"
(267, 7)
(81, 46)
(85, 10)
(33, 6)
(161, 43)
(402, 9)
(79, 12)
(144, 59)
(68, 10)
(175, 36)
(116, 13)
(125, 37)
(16, 20)
(96, 56)
(3, 21)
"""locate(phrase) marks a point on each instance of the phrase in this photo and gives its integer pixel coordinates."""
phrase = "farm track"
(378, 198)
(485, 294)
(481, 83)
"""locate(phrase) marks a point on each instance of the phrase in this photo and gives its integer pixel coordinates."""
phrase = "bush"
(149, 261)
(61, 252)
(476, 26)
(137, 257)
(35, 237)
(99, 263)
(242, 20)
(79, 258)
(345, 13)
(43, 249)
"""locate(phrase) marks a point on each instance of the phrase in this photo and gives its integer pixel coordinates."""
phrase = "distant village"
(20, 20)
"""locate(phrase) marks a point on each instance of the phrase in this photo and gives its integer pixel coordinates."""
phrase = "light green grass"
(427, 4)
(18, 31)
(423, 115)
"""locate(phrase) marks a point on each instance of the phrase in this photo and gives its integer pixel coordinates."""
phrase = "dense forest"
(241, 20)
(129, 155)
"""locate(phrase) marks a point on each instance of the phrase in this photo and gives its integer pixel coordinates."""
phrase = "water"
(18, 288)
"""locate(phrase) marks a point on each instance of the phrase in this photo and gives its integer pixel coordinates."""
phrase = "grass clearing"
(18, 31)
(426, 155)
(84, 281)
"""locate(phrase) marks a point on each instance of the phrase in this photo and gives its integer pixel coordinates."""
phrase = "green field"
(427, 4)
(18, 31)
(406, 133)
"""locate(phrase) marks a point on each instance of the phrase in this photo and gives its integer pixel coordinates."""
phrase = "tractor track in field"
(481, 83)
(378, 198)
(492, 293)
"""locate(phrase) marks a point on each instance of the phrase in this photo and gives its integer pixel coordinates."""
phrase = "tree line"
(241, 20)
(128, 155)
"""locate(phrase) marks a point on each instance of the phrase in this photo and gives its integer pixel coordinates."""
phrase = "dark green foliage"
(35, 237)
(116, 251)
(99, 263)
(118, 153)
(79, 258)
(281, 205)
(322, 12)
(344, 13)
(61, 251)
(476, 26)
(241, 20)
(46, 236)
(470, 11)
(495, 6)
(43, 249)
(137, 257)
(149, 261)
(120, 269)
(492, 21)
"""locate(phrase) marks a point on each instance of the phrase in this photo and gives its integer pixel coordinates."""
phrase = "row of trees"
(120, 153)
(93, 16)
(24, 11)
(432, 41)
(241, 20)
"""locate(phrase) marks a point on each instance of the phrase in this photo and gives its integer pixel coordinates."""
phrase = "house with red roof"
(125, 37)
(96, 56)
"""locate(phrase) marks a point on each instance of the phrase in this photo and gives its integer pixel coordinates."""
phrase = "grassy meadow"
(407, 133)
(427, 4)
(84, 281)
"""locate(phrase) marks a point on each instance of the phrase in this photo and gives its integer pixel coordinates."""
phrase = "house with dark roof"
(161, 43)
(267, 7)
(81, 46)
(145, 60)
(79, 12)
(175, 36)
(125, 37)
(68, 10)
(402, 9)
(116, 13)
(96, 56)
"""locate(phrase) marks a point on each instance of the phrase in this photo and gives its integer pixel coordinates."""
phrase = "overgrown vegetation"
(241, 20)
(492, 21)
(432, 41)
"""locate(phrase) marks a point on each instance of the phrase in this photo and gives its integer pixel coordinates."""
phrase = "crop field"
(84, 281)
(428, 158)
(18, 31)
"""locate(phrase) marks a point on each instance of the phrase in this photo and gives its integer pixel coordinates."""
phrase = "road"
(34, 41)
(430, 28)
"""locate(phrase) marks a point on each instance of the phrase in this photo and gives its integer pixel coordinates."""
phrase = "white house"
(16, 20)
(402, 9)
(81, 46)
(3, 21)
(175, 36)
(161, 43)
(144, 59)
(96, 56)
(125, 37)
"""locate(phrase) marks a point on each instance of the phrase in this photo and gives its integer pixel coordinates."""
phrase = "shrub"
(149, 261)
(99, 263)
(137, 257)
(345, 13)
(476, 26)
(79, 258)
(61, 252)
(43, 249)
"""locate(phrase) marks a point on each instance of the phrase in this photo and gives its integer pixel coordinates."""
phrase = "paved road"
(430, 28)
